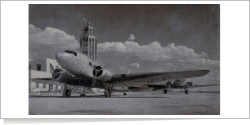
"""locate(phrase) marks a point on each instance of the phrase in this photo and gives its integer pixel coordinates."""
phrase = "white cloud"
(135, 65)
(52, 36)
(131, 37)
(153, 51)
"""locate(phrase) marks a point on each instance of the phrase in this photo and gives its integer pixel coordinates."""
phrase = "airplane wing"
(196, 85)
(147, 78)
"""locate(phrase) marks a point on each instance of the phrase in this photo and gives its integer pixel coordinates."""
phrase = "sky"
(134, 38)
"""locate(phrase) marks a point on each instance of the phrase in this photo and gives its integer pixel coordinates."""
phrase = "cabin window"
(39, 67)
(71, 52)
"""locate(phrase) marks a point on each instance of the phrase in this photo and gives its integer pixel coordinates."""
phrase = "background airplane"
(79, 70)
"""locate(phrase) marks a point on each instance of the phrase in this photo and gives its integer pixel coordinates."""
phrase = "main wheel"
(68, 93)
(82, 95)
(107, 93)
(186, 91)
(165, 91)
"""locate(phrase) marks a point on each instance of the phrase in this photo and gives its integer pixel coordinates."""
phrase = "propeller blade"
(52, 68)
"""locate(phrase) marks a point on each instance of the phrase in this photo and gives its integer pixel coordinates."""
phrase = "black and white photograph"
(124, 59)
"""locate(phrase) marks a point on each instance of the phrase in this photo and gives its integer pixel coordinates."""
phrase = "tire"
(165, 91)
(186, 91)
(82, 95)
(124, 94)
(106, 93)
(68, 93)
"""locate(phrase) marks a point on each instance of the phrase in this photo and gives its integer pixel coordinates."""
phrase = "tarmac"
(134, 103)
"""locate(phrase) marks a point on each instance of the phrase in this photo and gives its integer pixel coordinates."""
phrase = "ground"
(134, 103)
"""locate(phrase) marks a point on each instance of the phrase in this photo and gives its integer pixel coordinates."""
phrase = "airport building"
(88, 42)
(40, 68)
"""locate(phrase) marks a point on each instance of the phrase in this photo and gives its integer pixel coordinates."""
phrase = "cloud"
(131, 37)
(52, 36)
(153, 51)
(135, 65)
(46, 43)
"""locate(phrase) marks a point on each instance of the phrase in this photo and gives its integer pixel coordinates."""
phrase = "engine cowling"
(190, 83)
(59, 74)
(101, 74)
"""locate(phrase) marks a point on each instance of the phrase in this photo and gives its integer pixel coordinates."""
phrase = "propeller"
(189, 83)
(55, 71)
(97, 71)
(51, 68)
(168, 84)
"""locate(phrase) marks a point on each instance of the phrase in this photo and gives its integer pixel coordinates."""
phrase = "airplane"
(77, 69)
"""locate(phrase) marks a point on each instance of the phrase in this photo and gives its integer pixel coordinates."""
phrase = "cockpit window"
(71, 52)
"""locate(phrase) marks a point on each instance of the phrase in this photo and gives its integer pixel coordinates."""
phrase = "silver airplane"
(79, 70)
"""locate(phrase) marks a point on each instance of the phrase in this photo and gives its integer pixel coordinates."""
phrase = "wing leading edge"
(157, 77)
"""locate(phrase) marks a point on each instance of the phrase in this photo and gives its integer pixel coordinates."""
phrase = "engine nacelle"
(101, 73)
(190, 83)
(168, 83)
(59, 75)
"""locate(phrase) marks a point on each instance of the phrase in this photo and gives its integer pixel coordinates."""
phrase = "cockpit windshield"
(71, 52)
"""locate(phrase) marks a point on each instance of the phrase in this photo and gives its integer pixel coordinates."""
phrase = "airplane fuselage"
(83, 67)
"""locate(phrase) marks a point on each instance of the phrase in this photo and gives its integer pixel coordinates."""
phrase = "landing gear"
(107, 93)
(186, 91)
(165, 91)
(82, 95)
(68, 93)
(108, 89)
(124, 94)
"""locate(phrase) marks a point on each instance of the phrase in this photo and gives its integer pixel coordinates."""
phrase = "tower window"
(39, 67)
(86, 29)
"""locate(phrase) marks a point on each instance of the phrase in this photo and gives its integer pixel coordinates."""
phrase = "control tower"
(88, 42)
